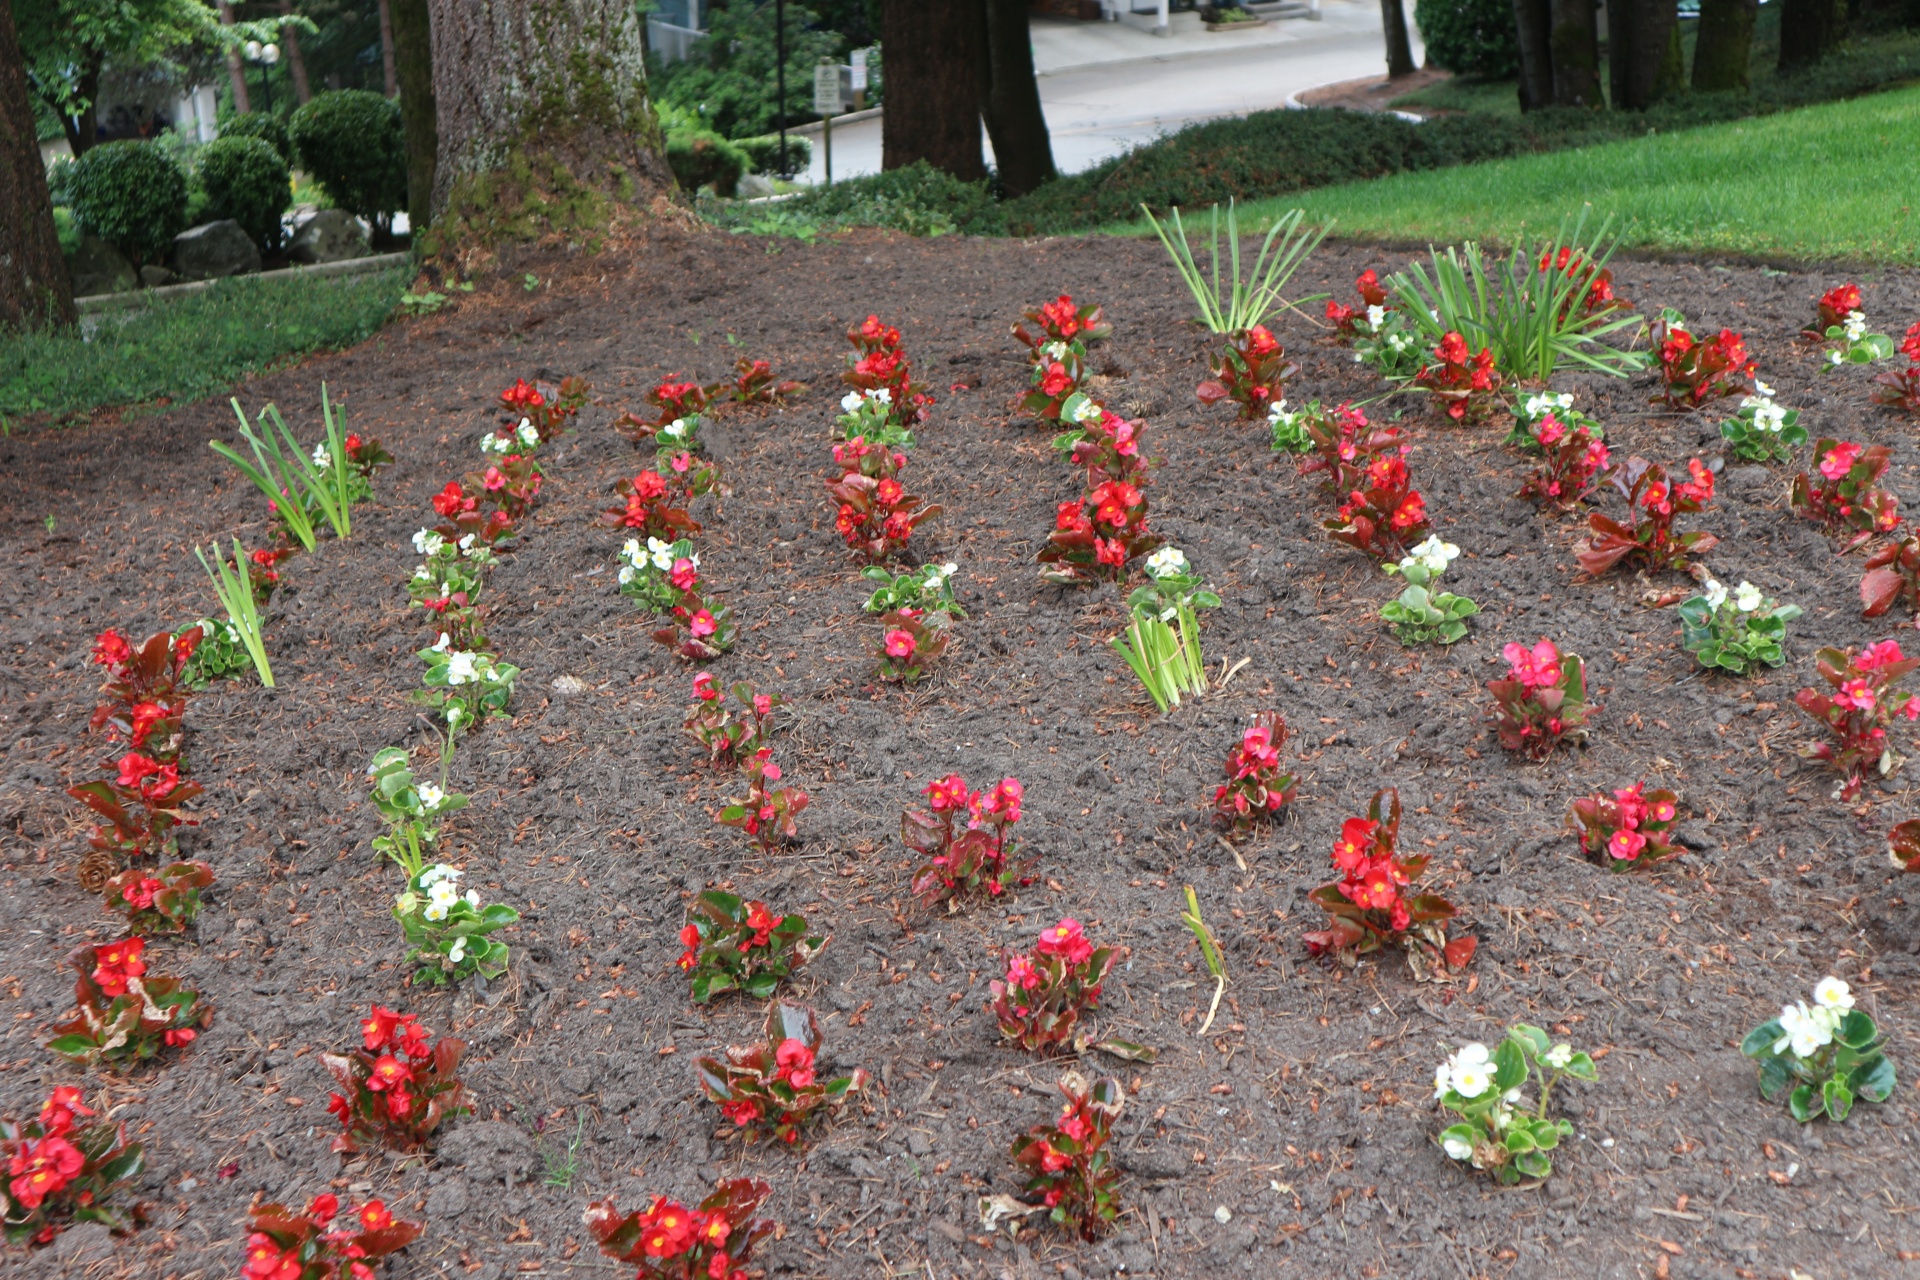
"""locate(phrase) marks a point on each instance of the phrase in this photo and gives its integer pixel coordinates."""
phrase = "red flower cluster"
(1845, 493)
(774, 1083)
(1630, 829)
(1466, 385)
(1831, 310)
(1860, 707)
(320, 1244)
(1057, 373)
(1067, 1160)
(710, 719)
(1098, 536)
(669, 1241)
(753, 383)
(400, 1085)
(964, 835)
(876, 514)
(736, 945)
(768, 813)
(1255, 787)
(1541, 701)
(1655, 500)
(59, 1171)
(1572, 463)
(909, 641)
(882, 365)
(1694, 372)
(1368, 907)
(1345, 447)
(546, 408)
(648, 510)
(696, 629)
(1598, 293)
(1061, 321)
(1345, 319)
(1252, 371)
(142, 797)
(122, 1014)
(1043, 994)
(461, 517)
(1900, 388)
(1383, 514)
(1107, 447)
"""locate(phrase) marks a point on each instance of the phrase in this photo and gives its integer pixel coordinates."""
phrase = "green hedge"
(258, 124)
(763, 154)
(702, 158)
(1470, 37)
(131, 194)
(350, 141)
(246, 179)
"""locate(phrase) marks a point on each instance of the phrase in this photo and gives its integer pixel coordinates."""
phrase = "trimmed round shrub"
(350, 141)
(131, 194)
(267, 128)
(700, 158)
(1470, 37)
(763, 154)
(246, 179)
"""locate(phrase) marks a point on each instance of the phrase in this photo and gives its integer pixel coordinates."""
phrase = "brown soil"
(1377, 93)
(1305, 1112)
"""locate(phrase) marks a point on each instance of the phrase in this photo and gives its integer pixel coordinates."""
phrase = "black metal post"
(780, 77)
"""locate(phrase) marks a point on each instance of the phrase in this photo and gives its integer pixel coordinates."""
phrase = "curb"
(93, 304)
(1293, 103)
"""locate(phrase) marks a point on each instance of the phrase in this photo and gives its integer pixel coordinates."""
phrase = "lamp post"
(266, 55)
(780, 76)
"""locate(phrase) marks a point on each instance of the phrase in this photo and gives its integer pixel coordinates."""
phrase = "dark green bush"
(245, 179)
(350, 141)
(267, 128)
(131, 194)
(1470, 37)
(702, 158)
(763, 154)
(729, 82)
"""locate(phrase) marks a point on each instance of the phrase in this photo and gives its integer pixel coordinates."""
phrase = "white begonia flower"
(1167, 562)
(1832, 993)
(431, 797)
(428, 543)
(1834, 357)
(1055, 350)
(1087, 411)
(322, 457)
(458, 951)
(460, 667)
(1376, 316)
(422, 574)
(1715, 594)
(529, 434)
(435, 911)
(661, 553)
(467, 543)
(1763, 388)
(1747, 597)
(1277, 413)
(850, 402)
(1558, 1057)
(1856, 327)
(1433, 555)
(1511, 1095)
(473, 899)
(1442, 1080)
(491, 443)
(455, 714)
(630, 550)
(675, 430)
(440, 645)
(883, 394)
(627, 574)
(1470, 1071)
(1805, 1034)
(1458, 1148)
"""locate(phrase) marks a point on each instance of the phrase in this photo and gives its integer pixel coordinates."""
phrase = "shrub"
(763, 154)
(131, 194)
(702, 158)
(269, 129)
(246, 179)
(350, 141)
(1470, 37)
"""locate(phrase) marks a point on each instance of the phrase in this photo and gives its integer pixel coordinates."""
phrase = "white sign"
(826, 89)
(859, 60)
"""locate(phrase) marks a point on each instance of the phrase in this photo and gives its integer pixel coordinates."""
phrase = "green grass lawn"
(187, 348)
(1834, 182)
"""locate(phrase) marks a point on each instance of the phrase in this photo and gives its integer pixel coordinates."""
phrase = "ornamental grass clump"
(400, 1085)
(774, 1089)
(1238, 303)
(1735, 631)
(733, 944)
(1251, 370)
(1256, 787)
(768, 813)
(122, 1014)
(1859, 709)
(1371, 907)
(1695, 371)
(1542, 700)
(1040, 999)
(669, 1241)
(1421, 614)
(1842, 492)
(1161, 642)
(1823, 1058)
(1067, 1160)
(1649, 542)
(1498, 1132)
(62, 1171)
(318, 1244)
(1630, 829)
(729, 738)
(965, 837)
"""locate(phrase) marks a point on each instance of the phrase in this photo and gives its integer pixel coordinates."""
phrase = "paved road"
(1099, 109)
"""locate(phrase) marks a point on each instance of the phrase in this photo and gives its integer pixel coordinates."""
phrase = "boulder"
(214, 250)
(98, 267)
(331, 235)
(155, 277)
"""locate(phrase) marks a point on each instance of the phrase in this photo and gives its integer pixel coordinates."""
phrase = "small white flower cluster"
(323, 457)
(1168, 562)
(1376, 316)
(1767, 416)
(1746, 596)
(1856, 326)
(1432, 555)
(1089, 411)
(1807, 1031)
(937, 575)
(1538, 407)
(224, 630)
(524, 439)
(1468, 1073)
(679, 431)
(443, 891)
(430, 544)
(656, 555)
(850, 402)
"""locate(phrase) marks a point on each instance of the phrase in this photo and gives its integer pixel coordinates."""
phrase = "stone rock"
(331, 235)
(215, 250)
(753, 186)
(98, 267)
(155, 277)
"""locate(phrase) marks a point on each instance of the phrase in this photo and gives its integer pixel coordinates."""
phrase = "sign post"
(827, 101)
(857, 80)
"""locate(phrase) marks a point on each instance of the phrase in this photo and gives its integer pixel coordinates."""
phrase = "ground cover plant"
(578, 1060)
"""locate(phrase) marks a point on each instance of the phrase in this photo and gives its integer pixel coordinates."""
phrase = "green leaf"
(70, 1045)
(1580, 1067)
(1520, 1140)
(1857, 1031)
(1801, 1102)
(1775, 1078)
(1837, 1098)
(1534, 1165)
(1530, 1037)
(1761, 1039)
(1872, 1078)
(1509, 1066)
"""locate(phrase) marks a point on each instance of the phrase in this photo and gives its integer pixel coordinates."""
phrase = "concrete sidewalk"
(1106, 87)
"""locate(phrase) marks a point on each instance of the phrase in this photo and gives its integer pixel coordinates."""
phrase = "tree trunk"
(1576, 55)
(1022, 149)
(35, 289)
(296, 65)
(1533, 23)
(386, 50)
(236, 69)
(1806, 30)
(1725, 44)
(1643, 38)
(1393, 21)
(935, 50)
(411, 69)
(542, 115)
(81, 130)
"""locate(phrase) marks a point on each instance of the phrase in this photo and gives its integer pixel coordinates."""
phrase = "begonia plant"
(964, 837)
(410, 808)
(1694, 371)
(1069, 1165)
(1842, 326)
(1056, 377)
(669, 1241)
(1372, 907)
(463, 686)
(767, 813)
(735, 944)
(1655, 499)
(658, 573)
(163, 900)
(1631, 828)
(1861, 705)
(1542, 700)
(1251, 370)
(1763, 431)
(1095, 538)
(1463, 383)
(875, 514)
(1900, 388)
(1101, 442)
(1498, 1132)
(1040, 999)
(754, 382)
(881, 364)
(447, 931)
(908, 642)
(1256, 786)
(1892, 573)
(1735, 631)
(696, 628)
(648, 509)
(729, 735)
(319, 1244)
(774, 1089)
(62, 1171)
(1383, 514)
(1061, 321)
(1421, 614)
(122, 1014)
(1345, 447)
(1571, 465)
(1529, 412)
(400, 1084)
(928, 587)
(1354, 322)
(1843, 493)
(1823, 1058)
